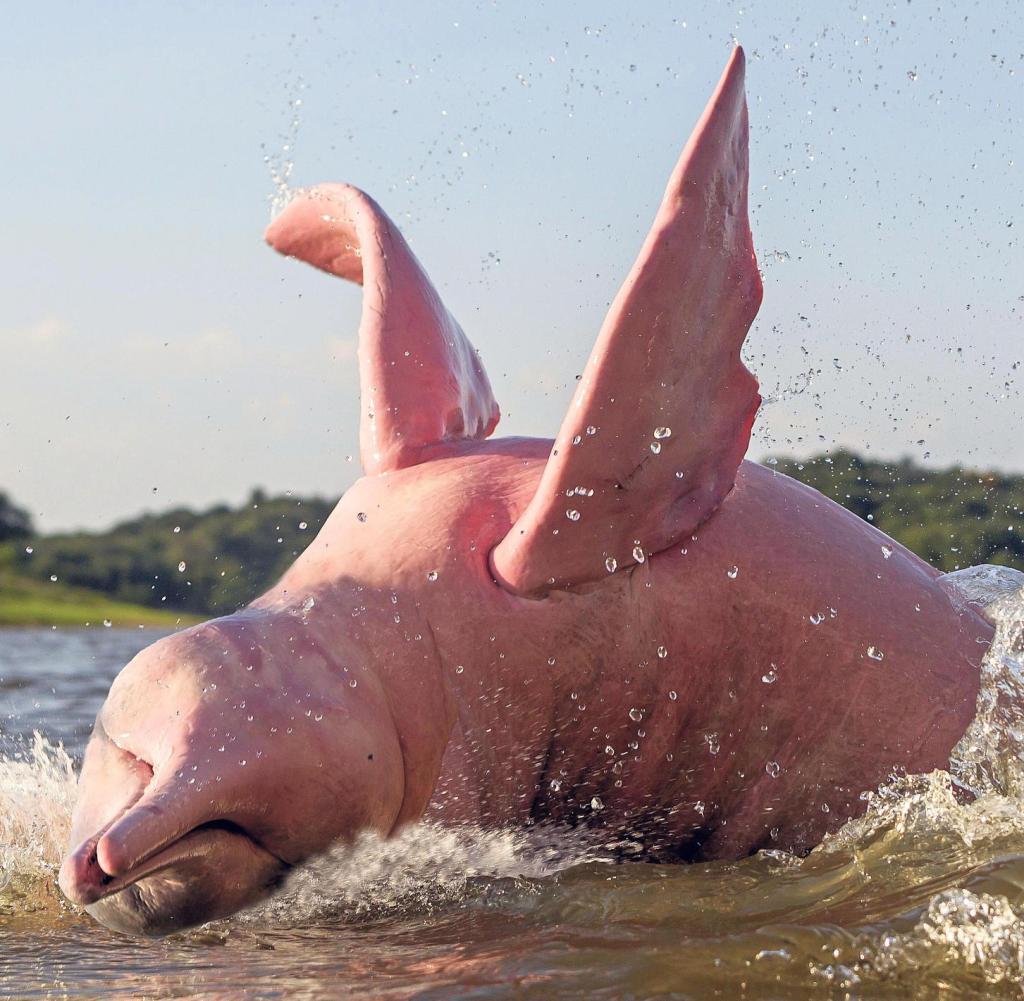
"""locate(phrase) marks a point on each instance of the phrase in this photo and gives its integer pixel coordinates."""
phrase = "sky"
(156, 352)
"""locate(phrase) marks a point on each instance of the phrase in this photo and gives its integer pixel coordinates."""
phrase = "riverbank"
(26, 602)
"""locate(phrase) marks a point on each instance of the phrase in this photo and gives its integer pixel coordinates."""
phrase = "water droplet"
(817, 618)
(596, 803)
(29, 550)
(732, 573)
(770, 677)
(662, 652)
(572, 514)
(431, 575)
(638, 553)
(636, 715)
(700, 807)
(181, 567)
(772, 768)
(551, 661)
(662, 432)
(556, 785)
(459, 669)
(610, 564)
(886, 551)
(874, 653)
(308, 604)
(591, 430)
(673, 696)
(656, 447)
(177, 529)
(303, 526)
(107, 623)
(712, 741)
(353, 683)
(53, 577)
(609, 750)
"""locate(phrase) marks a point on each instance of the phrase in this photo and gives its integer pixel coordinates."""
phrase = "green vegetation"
(25, 602)
(950, 517)
(227, 556)
(214, 561)
(15, 522)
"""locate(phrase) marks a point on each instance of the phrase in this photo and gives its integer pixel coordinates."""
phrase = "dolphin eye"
(128, 757)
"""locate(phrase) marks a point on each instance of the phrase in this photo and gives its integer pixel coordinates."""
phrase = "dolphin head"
(223, 756)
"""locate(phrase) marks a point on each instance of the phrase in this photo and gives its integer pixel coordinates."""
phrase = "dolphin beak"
(150, 855)
(81, 879)
(212, 872)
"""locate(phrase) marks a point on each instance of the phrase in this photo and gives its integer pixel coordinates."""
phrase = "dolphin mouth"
(205, 840)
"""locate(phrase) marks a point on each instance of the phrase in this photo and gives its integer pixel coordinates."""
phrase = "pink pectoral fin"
(421, 381)
(662, 417)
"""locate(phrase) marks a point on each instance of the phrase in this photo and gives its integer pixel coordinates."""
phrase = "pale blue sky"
(151, 340)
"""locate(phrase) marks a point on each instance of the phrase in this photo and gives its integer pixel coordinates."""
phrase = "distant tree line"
(211, 561)
(217, 560)
(15, 522)
(950, 517)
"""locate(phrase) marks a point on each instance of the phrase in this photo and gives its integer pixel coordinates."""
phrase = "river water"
(923, 897)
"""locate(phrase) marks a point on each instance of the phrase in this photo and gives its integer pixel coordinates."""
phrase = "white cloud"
(44, 332)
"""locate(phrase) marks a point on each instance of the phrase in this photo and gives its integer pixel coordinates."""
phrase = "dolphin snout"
(211, 872)
(151, 854)
(81, 879)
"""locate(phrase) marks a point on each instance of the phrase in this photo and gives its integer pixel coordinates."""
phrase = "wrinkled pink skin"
(483, 743)
(451, 646)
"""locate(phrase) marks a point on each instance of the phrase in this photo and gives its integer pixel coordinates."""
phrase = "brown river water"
(923, 897)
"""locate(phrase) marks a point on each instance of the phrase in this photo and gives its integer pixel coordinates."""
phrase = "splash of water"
(421, 869)
(281, 162)
(990, 756)
(959, 930)
(37, 792)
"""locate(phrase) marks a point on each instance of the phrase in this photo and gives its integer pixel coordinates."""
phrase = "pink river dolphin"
(629, 629)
